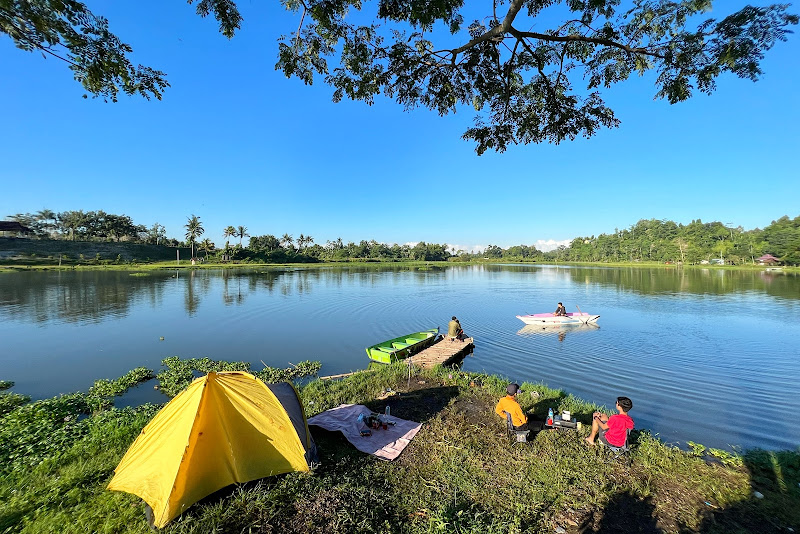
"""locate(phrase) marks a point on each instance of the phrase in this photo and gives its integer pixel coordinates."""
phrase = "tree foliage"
(82, 225)
(271, 248)
(532, 70)
(667, 241)
(69, 31)
(647, 240)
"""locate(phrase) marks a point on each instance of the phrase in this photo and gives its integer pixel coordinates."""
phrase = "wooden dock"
(441, 353)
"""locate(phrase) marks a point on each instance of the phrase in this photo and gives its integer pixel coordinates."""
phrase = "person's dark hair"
(512, 389)
(560, 304)
(454, 318)
(625, 403)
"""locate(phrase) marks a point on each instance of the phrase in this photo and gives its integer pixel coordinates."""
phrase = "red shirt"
(618, 426)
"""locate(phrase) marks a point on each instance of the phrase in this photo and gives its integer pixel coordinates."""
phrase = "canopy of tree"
(525, 85)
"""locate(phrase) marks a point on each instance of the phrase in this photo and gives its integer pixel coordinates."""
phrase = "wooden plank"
(333, 377)
(440, 353)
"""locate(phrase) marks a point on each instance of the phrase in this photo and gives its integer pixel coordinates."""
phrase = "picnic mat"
(386, 444)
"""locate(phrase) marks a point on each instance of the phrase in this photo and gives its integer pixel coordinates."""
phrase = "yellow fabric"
(509, 404)
(224, 428)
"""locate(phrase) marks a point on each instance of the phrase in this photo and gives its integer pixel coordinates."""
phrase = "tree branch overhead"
(544, 88)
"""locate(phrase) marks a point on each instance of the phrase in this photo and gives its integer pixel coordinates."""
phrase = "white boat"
(543, 319)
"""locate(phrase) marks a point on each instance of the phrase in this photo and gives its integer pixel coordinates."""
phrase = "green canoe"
(401, 347)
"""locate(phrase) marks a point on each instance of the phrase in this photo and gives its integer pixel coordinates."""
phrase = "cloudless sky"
(236, 143)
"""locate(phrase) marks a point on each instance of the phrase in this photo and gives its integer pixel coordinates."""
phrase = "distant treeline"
(647, 240)
(91, 226)
(662, 241)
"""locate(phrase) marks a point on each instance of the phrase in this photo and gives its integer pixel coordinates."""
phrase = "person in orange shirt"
(509, 404)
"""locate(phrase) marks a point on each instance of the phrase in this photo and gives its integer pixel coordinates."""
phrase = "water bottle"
(387, 410)
(550, 416)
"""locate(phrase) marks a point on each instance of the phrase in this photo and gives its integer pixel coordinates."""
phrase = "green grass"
(460, 474)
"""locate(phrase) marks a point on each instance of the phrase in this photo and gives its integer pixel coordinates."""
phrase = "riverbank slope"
(460, 474)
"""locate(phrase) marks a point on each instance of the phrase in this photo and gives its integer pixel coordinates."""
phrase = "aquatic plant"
(305, 368)
(9, 401)
(696, 449)
(728, 459)
(5, 384)
(99, 394)
(179, 373)
(32, 433)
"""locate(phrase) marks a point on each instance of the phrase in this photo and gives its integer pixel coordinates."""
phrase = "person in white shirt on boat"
(561, 311)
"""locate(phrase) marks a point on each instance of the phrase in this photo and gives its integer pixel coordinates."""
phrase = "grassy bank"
(460, 474)
(51, 253)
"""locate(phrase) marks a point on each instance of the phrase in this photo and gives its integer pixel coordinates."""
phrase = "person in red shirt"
(612, 430)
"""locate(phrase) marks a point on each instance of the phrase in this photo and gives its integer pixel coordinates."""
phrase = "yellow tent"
(224, 428)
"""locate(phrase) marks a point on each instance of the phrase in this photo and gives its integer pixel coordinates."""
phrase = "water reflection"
(691, 341)
(649, 281)
(530, 330)
(77, 296)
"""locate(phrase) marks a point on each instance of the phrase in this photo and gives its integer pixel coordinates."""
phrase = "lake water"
(706, 355)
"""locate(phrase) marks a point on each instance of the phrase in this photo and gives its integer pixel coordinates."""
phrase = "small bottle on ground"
(550, 416)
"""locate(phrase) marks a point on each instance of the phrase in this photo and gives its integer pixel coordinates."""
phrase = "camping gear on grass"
(547, 319)
(224, 428)
(398, 348)
(384, 442)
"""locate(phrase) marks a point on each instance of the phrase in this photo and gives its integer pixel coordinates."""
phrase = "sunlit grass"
(460, 474)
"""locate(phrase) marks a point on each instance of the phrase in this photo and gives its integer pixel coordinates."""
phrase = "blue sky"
(236, 143)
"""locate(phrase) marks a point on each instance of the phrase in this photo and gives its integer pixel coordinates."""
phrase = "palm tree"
(194, 229)
(47, 215)
(287, 240)
(241, 233)
(300, 242)
(230, 231)
(206, 245)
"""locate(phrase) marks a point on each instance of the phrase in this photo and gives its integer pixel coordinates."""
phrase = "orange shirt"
(509, 404)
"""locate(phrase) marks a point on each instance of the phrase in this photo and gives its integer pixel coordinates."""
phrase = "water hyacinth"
(179, 373)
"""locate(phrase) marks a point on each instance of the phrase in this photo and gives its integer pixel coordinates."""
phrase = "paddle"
(587, 317)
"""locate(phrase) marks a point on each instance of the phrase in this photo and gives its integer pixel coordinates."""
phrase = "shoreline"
(186, 265)
(462, 448)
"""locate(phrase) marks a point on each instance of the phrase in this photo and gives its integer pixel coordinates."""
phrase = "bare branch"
(584, 39)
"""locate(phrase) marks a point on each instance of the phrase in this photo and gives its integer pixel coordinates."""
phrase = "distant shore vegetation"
(653, 240)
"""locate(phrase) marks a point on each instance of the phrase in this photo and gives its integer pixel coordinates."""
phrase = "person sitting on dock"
(612, 430)
(454, 330)
(509, 404)
(561, 311)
